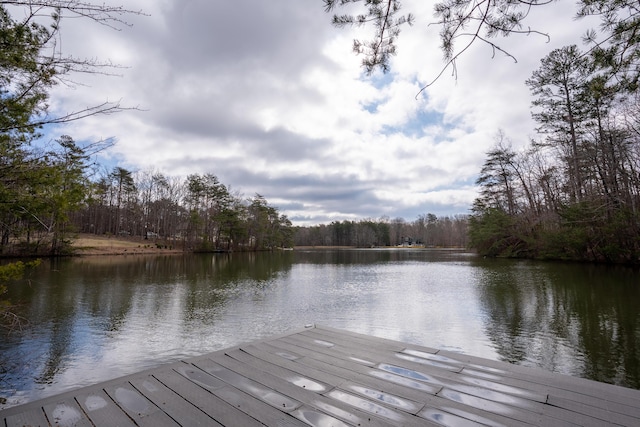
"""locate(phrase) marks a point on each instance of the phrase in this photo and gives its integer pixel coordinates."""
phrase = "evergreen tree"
(559, 85)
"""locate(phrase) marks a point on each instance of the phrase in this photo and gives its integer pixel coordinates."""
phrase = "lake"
(95, 318)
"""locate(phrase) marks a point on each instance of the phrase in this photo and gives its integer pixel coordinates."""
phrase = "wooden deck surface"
(326, 377)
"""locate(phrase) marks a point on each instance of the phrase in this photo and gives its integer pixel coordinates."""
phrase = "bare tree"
(32, 61)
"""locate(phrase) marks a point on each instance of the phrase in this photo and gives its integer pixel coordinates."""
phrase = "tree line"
(52, 193)
(574, 191)
(49, 195)
(427, 230)
(199, 212)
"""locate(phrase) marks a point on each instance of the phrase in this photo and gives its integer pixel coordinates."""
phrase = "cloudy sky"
(268, 96)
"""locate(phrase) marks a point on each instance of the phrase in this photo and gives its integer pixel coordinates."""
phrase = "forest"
(425, 231)
(58, 192)
(573, 192)
(52, 193)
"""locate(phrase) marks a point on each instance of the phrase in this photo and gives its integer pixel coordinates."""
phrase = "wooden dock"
(326, 377)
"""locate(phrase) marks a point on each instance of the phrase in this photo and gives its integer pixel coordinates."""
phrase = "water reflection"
(95, 318)
(571, 318)
(100, 317)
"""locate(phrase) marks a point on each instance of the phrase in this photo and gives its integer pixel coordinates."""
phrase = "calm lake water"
(96, 318)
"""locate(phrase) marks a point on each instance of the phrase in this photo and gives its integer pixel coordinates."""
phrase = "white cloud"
(269, 97)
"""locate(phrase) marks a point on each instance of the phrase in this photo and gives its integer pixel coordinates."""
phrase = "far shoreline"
(90, 245)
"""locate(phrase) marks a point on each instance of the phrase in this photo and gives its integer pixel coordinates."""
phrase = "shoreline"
(89, 245)
(94, 245)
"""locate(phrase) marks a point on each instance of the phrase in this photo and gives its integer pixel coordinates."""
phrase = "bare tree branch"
(32, 61)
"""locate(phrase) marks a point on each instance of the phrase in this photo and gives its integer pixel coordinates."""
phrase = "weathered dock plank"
(228, 400)
(138, 407)
(205, 401)
(67, 412)
(180, 409)
(326, 377)
(101, 410)
(482, 408)
(264, 384)
(32, 417)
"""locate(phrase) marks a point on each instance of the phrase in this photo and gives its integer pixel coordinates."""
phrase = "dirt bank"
(89, 244)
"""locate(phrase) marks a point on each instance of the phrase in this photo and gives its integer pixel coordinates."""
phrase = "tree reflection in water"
(570, 318)
(97, 318)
